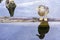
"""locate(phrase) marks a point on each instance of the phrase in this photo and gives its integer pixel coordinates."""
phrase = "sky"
(27, 8)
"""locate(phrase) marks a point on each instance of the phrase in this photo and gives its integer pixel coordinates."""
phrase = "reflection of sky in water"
(27, 31)
(27, 8)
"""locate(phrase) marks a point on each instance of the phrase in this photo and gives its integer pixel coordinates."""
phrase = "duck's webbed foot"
(40, 19)
(45, 19)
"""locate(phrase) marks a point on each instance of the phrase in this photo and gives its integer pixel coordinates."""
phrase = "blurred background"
(27, 8)
(28, 30)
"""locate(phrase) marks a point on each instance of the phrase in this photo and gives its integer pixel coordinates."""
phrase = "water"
(28, 31)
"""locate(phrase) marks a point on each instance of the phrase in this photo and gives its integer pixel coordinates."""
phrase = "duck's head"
(43, 10)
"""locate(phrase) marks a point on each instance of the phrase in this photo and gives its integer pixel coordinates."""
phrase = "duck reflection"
(1, 1)
(43, 28)
(10, 5)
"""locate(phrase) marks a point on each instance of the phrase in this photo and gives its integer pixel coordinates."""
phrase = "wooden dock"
(25, 19)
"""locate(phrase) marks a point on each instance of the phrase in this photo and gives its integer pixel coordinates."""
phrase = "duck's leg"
(45, 18)
(41, 18)
(46, 12)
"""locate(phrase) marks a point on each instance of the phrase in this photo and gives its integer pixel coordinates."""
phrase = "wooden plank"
(25, 19)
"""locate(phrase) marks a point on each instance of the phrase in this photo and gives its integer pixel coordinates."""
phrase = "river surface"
(28, 31)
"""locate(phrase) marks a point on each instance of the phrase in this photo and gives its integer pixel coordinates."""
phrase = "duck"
(10, 5)
(42, 12)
